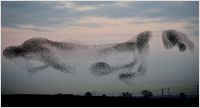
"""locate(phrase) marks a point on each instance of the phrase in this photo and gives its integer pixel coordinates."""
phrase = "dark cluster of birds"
(40, 47)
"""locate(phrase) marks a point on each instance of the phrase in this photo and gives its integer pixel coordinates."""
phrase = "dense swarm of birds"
(40, 49)
(173, 38)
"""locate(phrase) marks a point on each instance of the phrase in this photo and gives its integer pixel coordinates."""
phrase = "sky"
(100, 22)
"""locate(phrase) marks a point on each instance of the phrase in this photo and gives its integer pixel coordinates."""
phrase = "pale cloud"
(123, 3)
(105, 21)
(74, 6)
(132, 23)
(34, 28)
(85, 8)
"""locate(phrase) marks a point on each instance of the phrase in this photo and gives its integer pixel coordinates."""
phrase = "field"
(95, 101)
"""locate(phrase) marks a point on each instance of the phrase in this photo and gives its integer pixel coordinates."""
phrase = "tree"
(126, 94)
(146, 93)
(182, 95)
(88, 94)
(103, 95)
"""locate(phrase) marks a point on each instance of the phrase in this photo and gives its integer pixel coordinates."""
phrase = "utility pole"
(162, 91)
(94, 93)
(197, 88)
(168, 91)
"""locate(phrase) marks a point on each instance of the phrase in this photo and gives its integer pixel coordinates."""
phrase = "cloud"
(65, 13)
(40, 14)
(29, 27)
(92, 25)
(123, 4)
(75, 7)
(85, 8)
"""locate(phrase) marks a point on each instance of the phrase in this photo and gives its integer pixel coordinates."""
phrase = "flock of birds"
(47, 52)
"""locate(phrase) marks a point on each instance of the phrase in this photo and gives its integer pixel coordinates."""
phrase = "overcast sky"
(100, 23)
